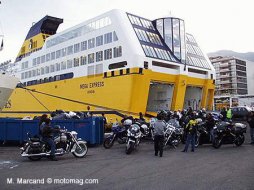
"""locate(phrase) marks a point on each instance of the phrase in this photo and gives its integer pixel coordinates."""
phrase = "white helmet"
(127, 122)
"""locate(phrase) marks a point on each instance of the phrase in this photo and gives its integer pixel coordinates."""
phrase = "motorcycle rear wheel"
(108, 143)
(80, 153)
(33, 158)
(217, 143)
(239, 140)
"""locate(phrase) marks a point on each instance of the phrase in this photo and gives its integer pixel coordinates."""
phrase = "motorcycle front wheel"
(239, 140)
(80, 152)
(197, 141)
(129, 148)
(108, 143)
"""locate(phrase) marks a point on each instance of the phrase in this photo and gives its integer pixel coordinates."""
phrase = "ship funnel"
(37, 35)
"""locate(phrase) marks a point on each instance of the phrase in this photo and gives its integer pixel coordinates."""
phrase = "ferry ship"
(115, 61)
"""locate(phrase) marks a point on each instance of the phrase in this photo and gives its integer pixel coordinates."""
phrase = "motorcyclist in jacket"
(209, 125)
(47, 136)
(224, 113)
(229, 114)
(191, 130)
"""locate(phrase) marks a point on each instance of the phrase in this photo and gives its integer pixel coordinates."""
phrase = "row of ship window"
(156, 52)
(141, 22)
(92, 26)
(190, 38)
(194, 61)
(148, 37)
(88, 44)
(76, 62)
(194, 50)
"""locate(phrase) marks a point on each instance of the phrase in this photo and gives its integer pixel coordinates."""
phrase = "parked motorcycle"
(229, 133)
(133, 138)
(145, 128)
(172, 136)
(152, 122)
(179, 130)
(203, 136)
(65, 142)
(118, 133)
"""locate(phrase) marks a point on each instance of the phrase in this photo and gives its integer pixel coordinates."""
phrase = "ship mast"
(1, 36)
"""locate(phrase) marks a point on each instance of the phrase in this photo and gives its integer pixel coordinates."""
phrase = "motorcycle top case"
(239, 127)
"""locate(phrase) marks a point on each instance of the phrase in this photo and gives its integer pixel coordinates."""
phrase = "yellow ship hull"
(126, 92)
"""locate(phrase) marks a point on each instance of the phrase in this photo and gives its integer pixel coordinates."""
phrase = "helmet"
(127, 122)
(135, 127)
(144, 126)
(198, 120)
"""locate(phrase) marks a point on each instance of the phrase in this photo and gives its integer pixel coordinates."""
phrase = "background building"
(234, 77)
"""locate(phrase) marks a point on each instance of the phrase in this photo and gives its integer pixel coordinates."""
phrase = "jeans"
(190, 140)
(52, 145)
(252, 135)
(158, 144)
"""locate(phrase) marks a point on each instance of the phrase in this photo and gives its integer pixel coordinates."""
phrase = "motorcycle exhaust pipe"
(41, 154)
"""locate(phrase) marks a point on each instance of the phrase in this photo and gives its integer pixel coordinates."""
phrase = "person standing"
(229, 114)
(159, 129)
(88, 113)
(190, 111)
(251, 124)
(191, 130)
(141, 117)
(223, 113)
(104, 119)
(210, 123)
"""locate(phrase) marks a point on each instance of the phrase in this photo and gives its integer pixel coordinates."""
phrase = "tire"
(239, 140)
(217, 143)
(197, 141)
(108, 143)
(129, 148)
(33, 158)
(80, 153)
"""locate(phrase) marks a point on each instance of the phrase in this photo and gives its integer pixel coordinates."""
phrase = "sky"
(216, 24)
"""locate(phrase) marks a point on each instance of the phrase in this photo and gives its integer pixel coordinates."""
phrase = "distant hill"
(247, 56)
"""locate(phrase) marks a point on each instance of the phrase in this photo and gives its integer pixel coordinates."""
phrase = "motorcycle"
(203, 136)
(171, 136)
(152, 122)
(145, 128)
(118, 133)
(65, 142)
(229, 133)
(133, 138)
